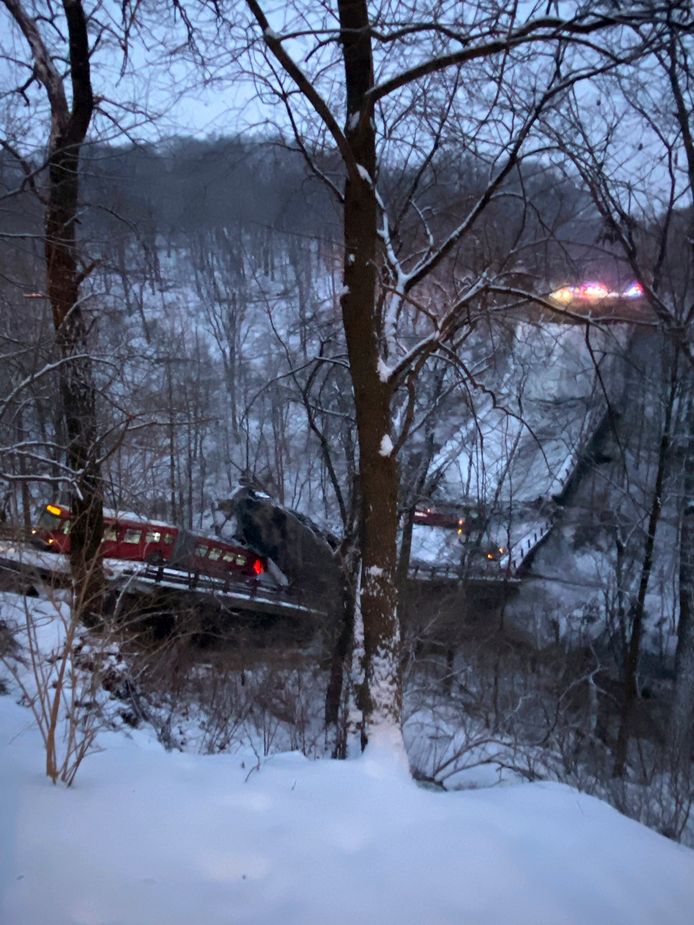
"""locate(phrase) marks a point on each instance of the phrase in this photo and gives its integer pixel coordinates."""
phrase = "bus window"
(49, 521)
(132, 536)
(110, 534)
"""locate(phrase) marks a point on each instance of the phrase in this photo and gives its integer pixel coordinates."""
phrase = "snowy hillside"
(249, 833)
(522, 441)
(149, 837)
(408, 316)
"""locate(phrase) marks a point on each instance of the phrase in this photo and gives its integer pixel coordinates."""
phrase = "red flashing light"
(635, 291)
(258, 567)
(595, 292)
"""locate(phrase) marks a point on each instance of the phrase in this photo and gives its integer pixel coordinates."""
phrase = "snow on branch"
(386, 447)
(444, 329)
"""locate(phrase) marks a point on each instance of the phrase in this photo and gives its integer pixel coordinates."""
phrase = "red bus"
(129, 537)
(433, 517)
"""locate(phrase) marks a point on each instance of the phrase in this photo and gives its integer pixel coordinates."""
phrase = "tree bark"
(69, 127)
(682, 716)
(638, 608)
(378, 476)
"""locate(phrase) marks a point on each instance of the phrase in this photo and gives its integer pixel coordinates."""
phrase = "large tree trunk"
(378, 476)
(76, 379)
(682, 719)
(69, 127)
(638, 608)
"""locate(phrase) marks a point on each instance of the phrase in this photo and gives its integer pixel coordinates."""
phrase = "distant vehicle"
(493, 553)
(128, 537)
(431, 517)
(595, 292)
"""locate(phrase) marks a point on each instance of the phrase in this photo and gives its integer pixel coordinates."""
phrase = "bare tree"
(635, 156)
(62, 687)
(370, 75)
(71, 103)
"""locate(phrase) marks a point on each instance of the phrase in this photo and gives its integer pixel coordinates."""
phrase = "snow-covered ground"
(150, 837)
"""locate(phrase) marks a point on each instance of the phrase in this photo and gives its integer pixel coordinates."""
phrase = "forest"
(409, 319)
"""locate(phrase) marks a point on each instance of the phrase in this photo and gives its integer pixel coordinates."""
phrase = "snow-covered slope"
(148, 837)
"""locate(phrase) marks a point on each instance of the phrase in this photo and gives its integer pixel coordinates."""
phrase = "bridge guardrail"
(247, 589)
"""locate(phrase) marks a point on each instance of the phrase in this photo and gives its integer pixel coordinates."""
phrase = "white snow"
(148, 837)
(364, 174)
(386, 447)
(123, 516)
(383, 370)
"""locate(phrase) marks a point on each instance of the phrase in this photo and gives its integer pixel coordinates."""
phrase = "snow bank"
(148, 837)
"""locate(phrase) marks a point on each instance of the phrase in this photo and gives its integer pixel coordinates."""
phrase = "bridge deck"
(22, 562)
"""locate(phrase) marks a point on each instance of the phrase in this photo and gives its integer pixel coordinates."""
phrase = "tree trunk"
(339, 665)
(63, 277)
(76, 383)
(378, 476)
(69, 125)
(682, 717)
(639, 606)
